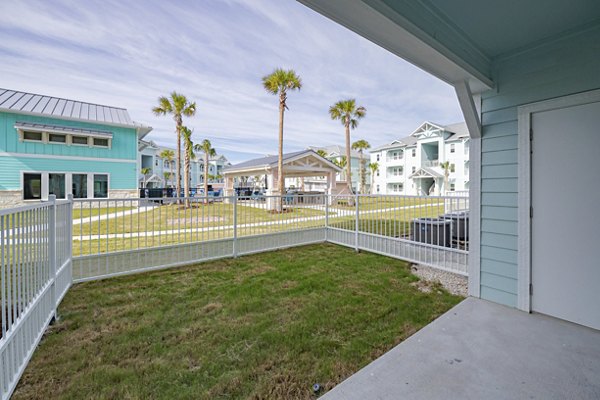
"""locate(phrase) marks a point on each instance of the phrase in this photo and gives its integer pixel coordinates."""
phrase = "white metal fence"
(35, 268)
(113, 237)
(47, 246)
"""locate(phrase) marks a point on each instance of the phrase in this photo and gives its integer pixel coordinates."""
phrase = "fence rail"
(47, 246)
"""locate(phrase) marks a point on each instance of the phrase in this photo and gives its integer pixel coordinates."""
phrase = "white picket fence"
(47, 246)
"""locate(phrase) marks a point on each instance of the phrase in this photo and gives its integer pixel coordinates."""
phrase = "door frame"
(524, 265)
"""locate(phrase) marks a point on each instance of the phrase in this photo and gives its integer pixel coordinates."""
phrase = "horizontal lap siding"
(552, 70)
(122, 175)
(124, 140)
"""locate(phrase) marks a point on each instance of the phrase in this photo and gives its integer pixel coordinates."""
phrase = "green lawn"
(80, 210)
(263, 326)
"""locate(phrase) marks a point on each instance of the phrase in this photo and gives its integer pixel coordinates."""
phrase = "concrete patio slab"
(482, 350)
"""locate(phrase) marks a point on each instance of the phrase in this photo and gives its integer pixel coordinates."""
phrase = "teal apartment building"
(50, 145)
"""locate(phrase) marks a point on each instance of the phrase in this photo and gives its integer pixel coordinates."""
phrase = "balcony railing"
(431, 163)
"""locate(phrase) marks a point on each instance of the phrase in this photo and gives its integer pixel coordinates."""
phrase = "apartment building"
(414, 165)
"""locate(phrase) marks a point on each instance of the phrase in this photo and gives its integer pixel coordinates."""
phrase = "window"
(156, 162)
(377, 157)
(377, 188)
(100, 186)
(55, 138)
(414, 169)
(79, 186)
(414, 152)
(33, 136)
(79, 140)
(452, 148)
(452, 187)
(466, 145)
(32, 186)
(452, 167)
(100, 142)
(56, 185)
(378, 172)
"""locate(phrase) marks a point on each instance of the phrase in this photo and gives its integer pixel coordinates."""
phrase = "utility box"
(460, 224)
(433, 231)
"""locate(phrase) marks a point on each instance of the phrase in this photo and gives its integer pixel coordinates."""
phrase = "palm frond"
(281, 80)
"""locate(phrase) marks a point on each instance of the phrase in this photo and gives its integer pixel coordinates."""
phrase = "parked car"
(258, 195)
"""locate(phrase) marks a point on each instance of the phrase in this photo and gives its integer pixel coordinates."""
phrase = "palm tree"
(168, 155)
(167, 176)
(322, 153)
(206, 148)
(178, 106)
(374, 167)
(278, 83)
(145, 171)
(348, 113)
(362, 145)
(446, 167)
(188, 154)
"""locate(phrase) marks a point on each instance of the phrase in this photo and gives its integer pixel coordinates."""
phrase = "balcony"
(431, 163)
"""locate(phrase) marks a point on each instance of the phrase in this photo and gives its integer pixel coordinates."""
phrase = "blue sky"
(127, 53)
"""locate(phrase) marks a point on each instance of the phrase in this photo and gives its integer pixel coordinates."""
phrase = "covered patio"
(300, 164)
(482, 350)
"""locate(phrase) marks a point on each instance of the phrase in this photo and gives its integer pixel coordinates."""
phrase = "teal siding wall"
(124, 142)
(563, 67)
(122, 174)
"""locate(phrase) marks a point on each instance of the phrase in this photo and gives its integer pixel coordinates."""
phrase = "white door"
(565, 230)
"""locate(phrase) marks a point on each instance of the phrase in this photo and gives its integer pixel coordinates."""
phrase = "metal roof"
(27, 126)
(266, 161)
(30, 103)
(271, 161)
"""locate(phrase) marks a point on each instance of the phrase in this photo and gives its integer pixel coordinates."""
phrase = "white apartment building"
(413, 165)
(335, 153)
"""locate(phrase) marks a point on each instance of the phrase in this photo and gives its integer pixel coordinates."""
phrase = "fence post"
(70, 231)
(235, 249)
(326, 216)
(52, 251)
(356, 224)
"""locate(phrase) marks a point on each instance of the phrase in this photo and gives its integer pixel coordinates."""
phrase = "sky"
(215, 52)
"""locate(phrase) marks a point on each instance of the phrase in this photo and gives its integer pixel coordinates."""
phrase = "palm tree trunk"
(178, 183)
(206, 176)
(186, 176)
(363, 181)
(348, 159)
(280, 177)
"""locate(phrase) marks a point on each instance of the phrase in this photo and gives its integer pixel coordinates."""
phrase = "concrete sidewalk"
(482, 350)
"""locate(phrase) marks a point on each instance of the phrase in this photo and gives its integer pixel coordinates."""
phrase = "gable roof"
(37, 104)
(425, 172)
(271, 161)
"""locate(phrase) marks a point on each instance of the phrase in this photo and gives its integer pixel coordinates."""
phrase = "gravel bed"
(454, 283)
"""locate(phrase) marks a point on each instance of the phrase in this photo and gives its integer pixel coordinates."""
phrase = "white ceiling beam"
(469, 110)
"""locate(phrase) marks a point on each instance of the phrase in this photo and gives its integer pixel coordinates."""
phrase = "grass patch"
(262, 326)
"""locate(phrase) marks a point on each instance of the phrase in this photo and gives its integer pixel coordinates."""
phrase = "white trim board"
(524, 188)
(73, 158)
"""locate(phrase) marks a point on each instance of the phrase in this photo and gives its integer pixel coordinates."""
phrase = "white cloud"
(128, 53)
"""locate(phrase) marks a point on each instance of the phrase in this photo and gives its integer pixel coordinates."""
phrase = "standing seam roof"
(15, 101)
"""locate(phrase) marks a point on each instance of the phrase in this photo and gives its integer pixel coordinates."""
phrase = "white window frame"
(68, 183)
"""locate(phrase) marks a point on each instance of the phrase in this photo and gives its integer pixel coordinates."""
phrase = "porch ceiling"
(458, 40)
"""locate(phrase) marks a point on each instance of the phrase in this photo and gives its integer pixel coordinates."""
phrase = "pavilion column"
(229, 191)
(272, 190)
(331, 186)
